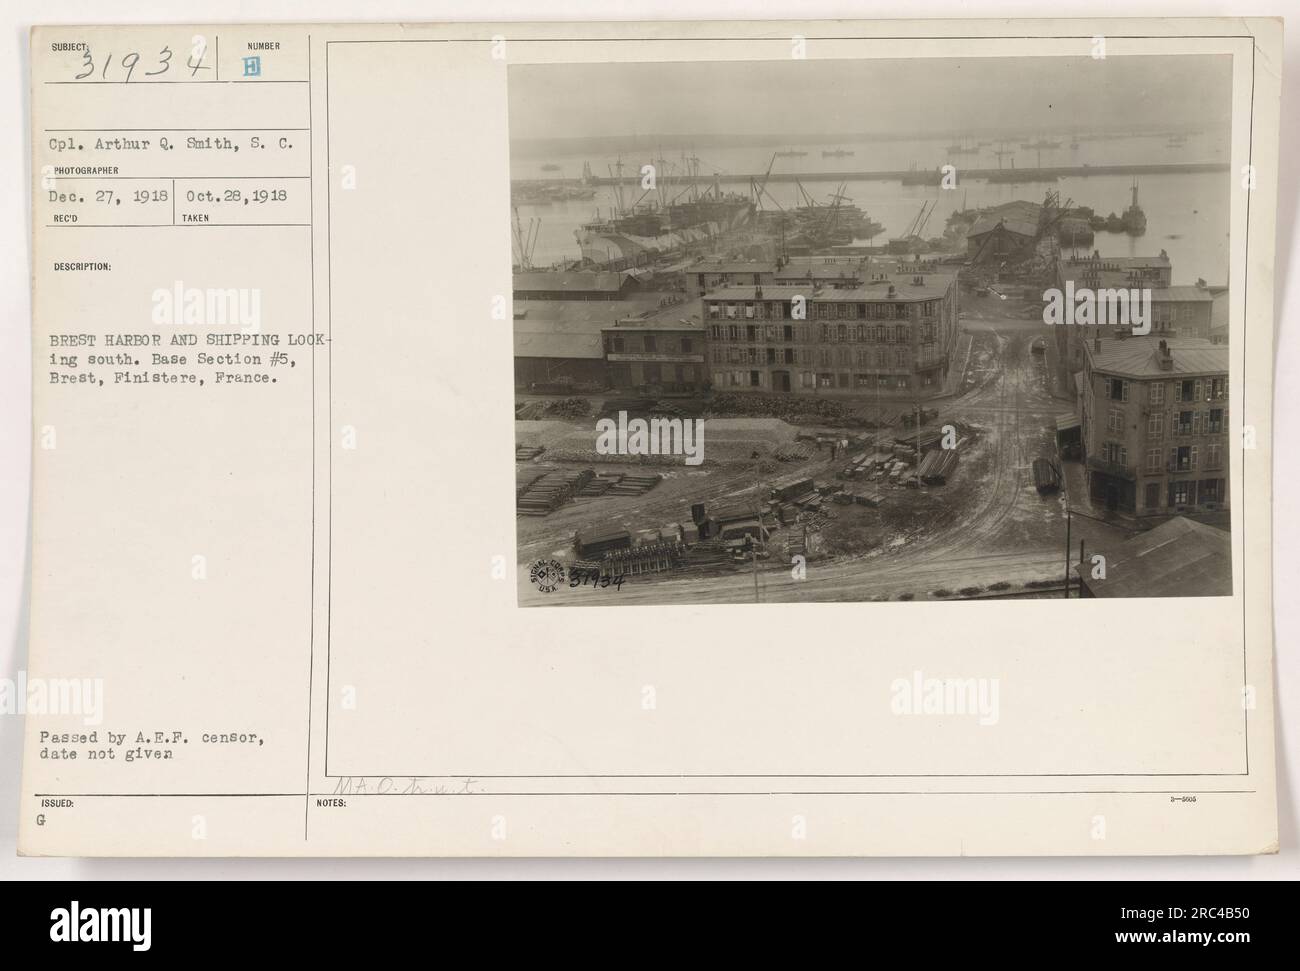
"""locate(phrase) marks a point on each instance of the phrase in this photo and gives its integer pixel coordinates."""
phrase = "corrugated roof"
(1137, 356)
(1179, 558)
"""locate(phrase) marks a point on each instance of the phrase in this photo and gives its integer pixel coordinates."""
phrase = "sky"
(919, 95)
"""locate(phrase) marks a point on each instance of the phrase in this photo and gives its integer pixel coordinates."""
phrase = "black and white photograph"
(872, 330)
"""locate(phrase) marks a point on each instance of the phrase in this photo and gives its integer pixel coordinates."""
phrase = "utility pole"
(1067, 549)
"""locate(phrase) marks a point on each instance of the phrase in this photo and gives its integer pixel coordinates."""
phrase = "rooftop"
(732, 266)
(1180, 294)
(1018, 215)
(1118, 262)
(679, 315)
(1138, 357)
(1179, 558)
(571, 328)
(575, 281)
(934, 286)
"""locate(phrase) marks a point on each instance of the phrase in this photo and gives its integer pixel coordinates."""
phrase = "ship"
(1040, 144)
(837, 153)
(550, 167)
(643, 234)
(791, 153)
(1134, 220)
(546, 193)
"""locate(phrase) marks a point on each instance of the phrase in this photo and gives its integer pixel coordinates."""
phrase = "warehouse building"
(557, 343)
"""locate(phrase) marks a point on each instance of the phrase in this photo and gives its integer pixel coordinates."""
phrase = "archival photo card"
(887, 403)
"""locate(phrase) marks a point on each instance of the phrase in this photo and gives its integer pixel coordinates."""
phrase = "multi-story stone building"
(1154, 423)
(657, 353)
(893, 334)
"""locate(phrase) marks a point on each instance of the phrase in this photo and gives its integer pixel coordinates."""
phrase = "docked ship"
(642, 234)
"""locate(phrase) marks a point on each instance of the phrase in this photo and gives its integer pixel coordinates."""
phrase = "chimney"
(1165, 357)
(1096, 344)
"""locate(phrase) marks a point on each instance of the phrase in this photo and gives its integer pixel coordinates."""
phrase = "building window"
(1153, 461)
(1117, 390)
(651, 345)
(1115, 453)
(1156, 394)
(825, 380)
(1156, 425)
(1115, 420)
(1185, 422)
(1216, 421)
(687, 345)
(1214, 456)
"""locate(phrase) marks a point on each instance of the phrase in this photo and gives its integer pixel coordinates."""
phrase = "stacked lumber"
(526, 453)
(708, 553)
(634, 484)
(599, 484)
(551, 491)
